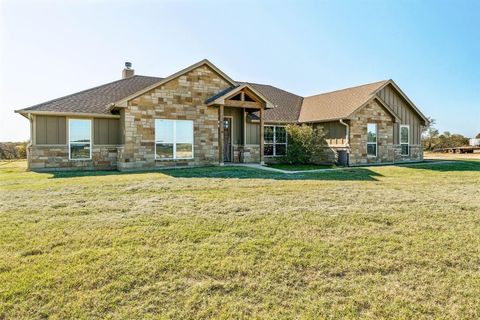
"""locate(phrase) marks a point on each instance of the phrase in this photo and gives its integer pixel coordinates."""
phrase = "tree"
(478, 136)
(429, 126)
(13, 150)
(304, 144)
(432, 139)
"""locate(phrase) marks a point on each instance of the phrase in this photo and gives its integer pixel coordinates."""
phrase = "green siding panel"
(252, 133)
(336, 133)
(106, 131)
(50, 130)
(237, 122)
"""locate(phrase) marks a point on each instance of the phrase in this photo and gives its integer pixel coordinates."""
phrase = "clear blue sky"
(430, 48)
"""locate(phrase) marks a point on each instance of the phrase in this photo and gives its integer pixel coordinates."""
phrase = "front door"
(227, 140)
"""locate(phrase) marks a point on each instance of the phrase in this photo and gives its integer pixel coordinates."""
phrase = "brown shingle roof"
(287, 105)
(337, 104)
(96, 100)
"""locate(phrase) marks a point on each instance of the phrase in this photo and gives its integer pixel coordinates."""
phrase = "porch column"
(261, 136)
(220, 134)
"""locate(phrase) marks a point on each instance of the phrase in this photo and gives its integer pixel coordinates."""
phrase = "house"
(200, 116)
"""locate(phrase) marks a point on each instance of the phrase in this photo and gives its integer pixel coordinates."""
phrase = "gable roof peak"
(123, 102)
(376, 85)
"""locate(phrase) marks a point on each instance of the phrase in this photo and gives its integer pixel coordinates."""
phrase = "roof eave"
(23, 113)
(27, 113)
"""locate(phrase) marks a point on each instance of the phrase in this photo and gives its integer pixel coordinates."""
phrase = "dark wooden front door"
(227, 140)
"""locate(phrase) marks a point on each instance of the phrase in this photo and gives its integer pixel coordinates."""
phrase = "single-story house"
(200, 116)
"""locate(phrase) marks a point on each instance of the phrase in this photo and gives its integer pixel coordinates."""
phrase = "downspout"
(348, 132)
(347, 140)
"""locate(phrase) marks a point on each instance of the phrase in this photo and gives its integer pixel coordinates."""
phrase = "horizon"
(85, 44)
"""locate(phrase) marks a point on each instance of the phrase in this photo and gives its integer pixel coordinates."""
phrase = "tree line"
(13, 150)
(432, 139)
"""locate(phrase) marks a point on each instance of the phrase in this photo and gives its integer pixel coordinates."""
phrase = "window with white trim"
(173, 139)
(371, 139)
(405, 139)
(275, 141)
(80, 139)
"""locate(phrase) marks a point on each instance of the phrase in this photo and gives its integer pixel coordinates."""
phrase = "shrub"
(304, 144)
(13, 150)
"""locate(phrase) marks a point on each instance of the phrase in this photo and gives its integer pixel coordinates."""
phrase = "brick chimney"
(128, 71)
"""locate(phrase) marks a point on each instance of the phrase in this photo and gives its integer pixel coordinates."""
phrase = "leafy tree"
(478, 136)
(304, 144)
(432, 139)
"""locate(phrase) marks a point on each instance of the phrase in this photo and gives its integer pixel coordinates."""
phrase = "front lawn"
(233, 242)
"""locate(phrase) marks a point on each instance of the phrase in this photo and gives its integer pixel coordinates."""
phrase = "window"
(80, 139)
(372, 139)
(275, 141)
(405, 139)
(173, 139)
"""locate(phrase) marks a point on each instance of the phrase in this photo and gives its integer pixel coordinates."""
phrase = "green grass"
(380, 242)
(300, 167)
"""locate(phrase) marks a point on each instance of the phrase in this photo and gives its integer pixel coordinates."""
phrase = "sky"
(430, 48)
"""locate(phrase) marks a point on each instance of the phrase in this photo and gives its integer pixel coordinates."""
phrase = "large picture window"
(173, 139)
(405, 139)
(275, 141)
(371, 139)
(80, 139)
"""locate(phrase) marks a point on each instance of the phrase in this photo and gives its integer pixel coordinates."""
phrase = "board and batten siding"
(50, 130)
(237, 123)
(407, 115)
(336, 133)
(252, 134)
(106, 131)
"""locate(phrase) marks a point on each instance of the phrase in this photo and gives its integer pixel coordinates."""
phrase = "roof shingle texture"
(337, 104)
(287, 105)
(96, 100)
(288, 108)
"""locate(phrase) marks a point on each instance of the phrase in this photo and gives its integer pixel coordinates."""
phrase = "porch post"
(220, 134)
(261, 135)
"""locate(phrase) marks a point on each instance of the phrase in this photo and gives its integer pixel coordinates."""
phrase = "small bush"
(305, 144)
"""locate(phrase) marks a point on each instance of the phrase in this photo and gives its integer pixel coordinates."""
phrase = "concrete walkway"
(266, 168)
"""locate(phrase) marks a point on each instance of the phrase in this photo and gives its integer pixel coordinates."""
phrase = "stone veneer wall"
(182, 98)
(55, 157)
(416, 153)
(248, 153)
(372, 113)
(387, 151)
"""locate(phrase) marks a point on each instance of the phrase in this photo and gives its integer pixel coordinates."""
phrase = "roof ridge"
(269, 85)
(348, 88)
(86, 90)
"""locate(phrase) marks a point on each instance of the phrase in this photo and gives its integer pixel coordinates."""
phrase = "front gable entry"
(244, 96)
